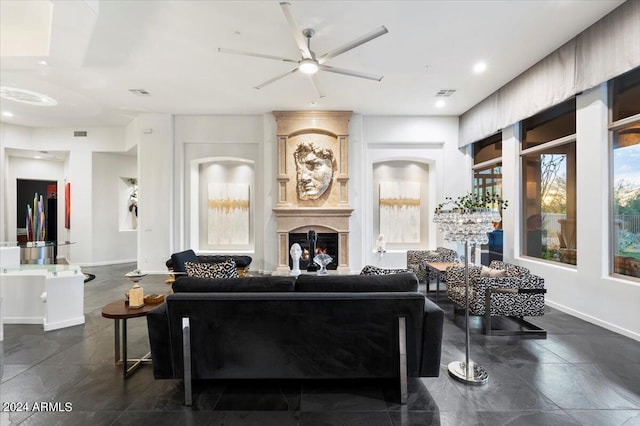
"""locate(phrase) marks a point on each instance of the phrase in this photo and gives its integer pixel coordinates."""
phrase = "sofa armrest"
(433, 323)
(455, 275)
(530, 302)
(160, 342)
(529, 282)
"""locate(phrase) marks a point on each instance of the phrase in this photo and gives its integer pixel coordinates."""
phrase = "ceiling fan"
(309, 63)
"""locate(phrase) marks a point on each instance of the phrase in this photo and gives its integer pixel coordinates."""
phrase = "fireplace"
(324, 221)
(327, 243)
(327, 212)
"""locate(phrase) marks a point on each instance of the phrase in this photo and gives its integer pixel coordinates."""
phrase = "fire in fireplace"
(327, 243)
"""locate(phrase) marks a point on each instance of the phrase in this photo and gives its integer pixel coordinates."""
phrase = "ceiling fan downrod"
(309, 65)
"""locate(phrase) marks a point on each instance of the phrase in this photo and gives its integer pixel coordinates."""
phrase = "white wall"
(111, 244)
(79, 174)
(10, 136)
(155, 189)
(30, 168)
(585, 290)
(239, 137)
(429, 140)
(77, 171)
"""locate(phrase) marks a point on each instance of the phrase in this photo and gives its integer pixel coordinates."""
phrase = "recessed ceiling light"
(313, 103)
(26, 96)
(427, 67)
(480, 67)
(7, 114)
(37, 157)
(440, 103)
(42, 63)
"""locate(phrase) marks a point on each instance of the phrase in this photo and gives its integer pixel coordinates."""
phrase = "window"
(488, 149)
(625, 174)
(487, 179)
(550, 125)
(487, 165)
(625, 95)
(549, 184)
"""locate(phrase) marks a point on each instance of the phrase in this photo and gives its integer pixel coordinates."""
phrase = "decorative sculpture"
(323, 260)
(133, 196)
(314, 168)
(312, 236)
(381, 246)
(296, 253)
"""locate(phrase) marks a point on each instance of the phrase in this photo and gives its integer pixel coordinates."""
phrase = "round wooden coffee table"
(120, 311)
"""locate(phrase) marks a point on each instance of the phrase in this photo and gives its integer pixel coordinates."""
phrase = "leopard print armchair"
(502, 304)
(374, 270)
(417, 259)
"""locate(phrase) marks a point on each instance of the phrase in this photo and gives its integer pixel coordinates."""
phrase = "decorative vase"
(322, 260)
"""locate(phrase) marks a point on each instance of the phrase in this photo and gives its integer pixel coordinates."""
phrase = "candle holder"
(466, 225)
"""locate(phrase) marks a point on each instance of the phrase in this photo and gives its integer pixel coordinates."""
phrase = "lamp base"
(477, 374)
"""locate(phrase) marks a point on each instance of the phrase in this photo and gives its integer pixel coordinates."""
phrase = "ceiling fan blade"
(257, 55)
(352, 45)
(351, 73)
(314, 83)
(295, 29)
(276, 78)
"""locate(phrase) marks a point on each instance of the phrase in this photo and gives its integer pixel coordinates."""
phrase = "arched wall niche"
(313, 130)
(223, 199)
(401, 201)
(429, 154)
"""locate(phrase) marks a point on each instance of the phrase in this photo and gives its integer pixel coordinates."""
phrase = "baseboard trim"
(594, 320)
(104, 263)
(49, 326)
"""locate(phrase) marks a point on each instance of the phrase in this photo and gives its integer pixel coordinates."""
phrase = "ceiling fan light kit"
(308, 64)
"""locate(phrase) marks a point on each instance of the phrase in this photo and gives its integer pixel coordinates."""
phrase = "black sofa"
(177, 261)
(312, 327)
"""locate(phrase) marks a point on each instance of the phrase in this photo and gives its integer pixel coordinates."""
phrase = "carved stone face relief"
(314, 168)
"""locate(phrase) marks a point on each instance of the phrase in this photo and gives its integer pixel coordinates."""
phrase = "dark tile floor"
(580, 375)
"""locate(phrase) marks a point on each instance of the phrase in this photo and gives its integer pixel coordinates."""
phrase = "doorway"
(26, 189)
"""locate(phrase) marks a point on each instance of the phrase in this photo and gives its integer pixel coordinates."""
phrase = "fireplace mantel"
(329, 213)
(312, 211)
(320, 219)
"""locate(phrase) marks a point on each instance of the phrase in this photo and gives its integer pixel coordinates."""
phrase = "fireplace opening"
(327, 243)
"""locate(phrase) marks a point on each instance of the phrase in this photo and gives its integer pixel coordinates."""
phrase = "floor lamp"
(467, 226)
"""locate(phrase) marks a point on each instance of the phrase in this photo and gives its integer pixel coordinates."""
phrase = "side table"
(119, 311)
(440, 268)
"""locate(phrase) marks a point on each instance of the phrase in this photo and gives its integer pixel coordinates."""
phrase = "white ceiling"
(100, 50)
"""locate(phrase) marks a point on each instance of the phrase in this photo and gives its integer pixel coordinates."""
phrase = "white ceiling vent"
(140, 92)
(445, 93)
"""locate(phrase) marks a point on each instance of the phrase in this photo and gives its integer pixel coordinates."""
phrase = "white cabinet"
(51, 295)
